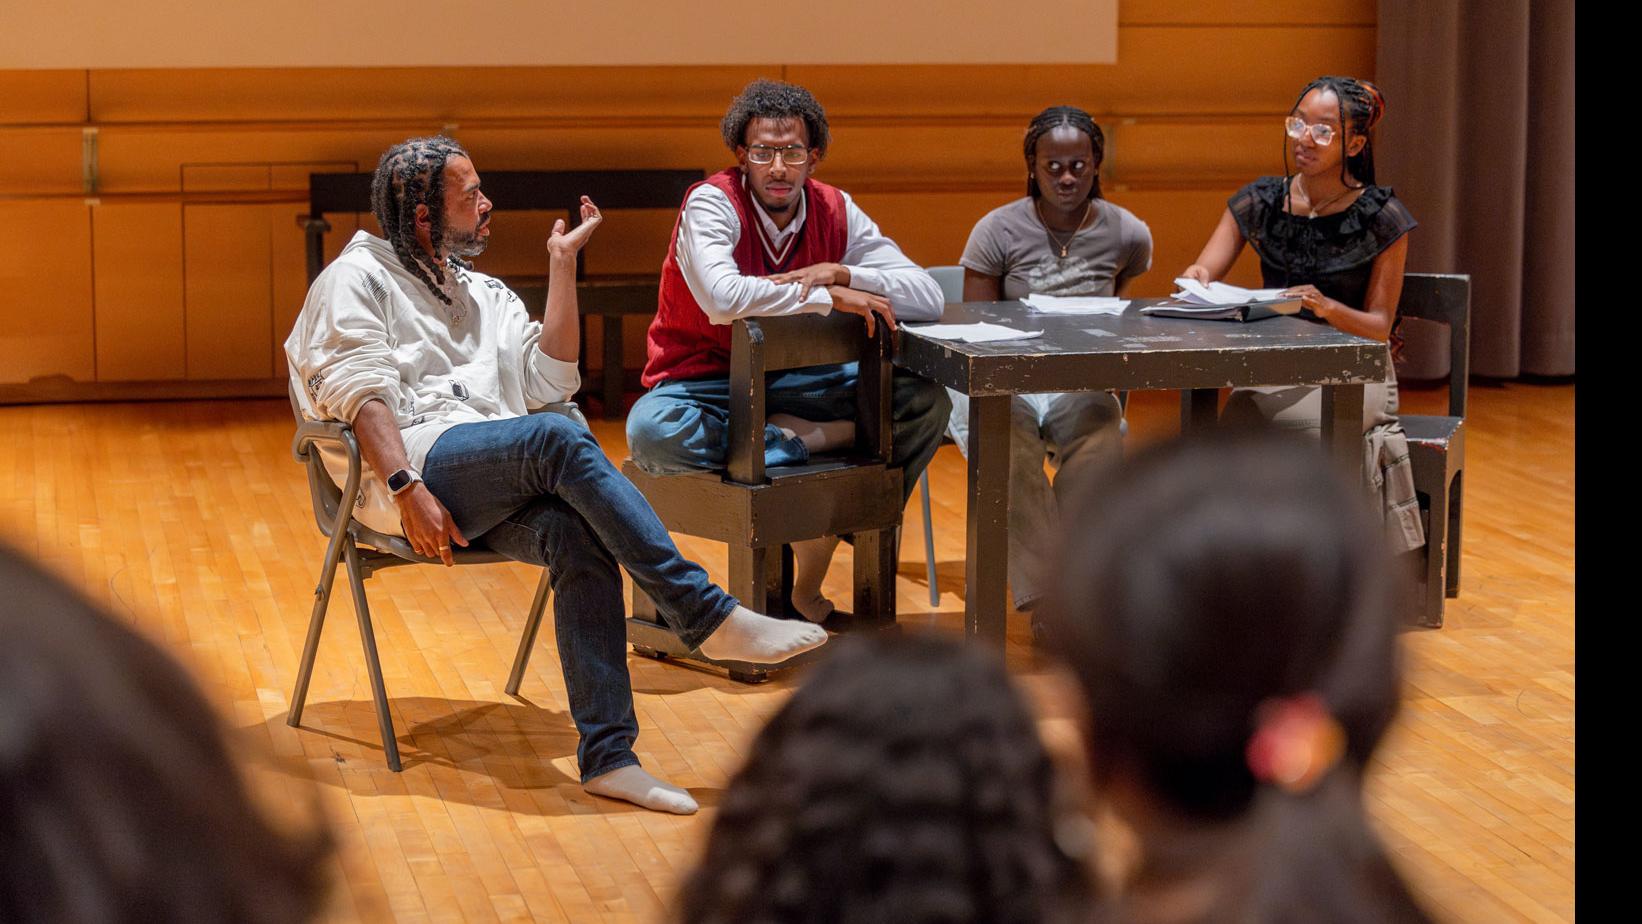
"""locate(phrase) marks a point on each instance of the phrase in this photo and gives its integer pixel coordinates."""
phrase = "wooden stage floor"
(191, 521)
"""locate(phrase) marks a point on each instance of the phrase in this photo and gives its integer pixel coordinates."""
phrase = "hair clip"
(1295, 742)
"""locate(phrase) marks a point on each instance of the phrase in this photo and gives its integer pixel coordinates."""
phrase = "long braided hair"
(409, 174)
(1052, 118)
(1362, 105)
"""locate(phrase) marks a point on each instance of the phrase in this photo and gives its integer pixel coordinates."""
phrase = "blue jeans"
(539, 489)
(684, 425)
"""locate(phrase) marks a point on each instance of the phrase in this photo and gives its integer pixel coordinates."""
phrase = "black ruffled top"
(1335, 252)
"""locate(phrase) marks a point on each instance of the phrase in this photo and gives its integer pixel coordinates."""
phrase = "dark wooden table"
(1124, 352)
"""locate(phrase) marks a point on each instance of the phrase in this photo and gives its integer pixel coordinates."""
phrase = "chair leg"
(373, 665)
(316, 623)
(527, 639)
(750, 578)
(929, 542)
(1456, 498)
(1436, 561)
(875, 577)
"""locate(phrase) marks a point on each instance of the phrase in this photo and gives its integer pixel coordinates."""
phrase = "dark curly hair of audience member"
(409, 174)
(772, 99)
(904, 782)
(119, 798)
(1211, 578)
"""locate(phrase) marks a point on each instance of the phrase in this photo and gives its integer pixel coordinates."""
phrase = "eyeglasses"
(1322, 132)
(793, 155)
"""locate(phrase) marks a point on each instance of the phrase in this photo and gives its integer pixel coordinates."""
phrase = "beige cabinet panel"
(139, 291)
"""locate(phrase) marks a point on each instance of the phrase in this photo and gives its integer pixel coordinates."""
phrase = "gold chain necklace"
(1055, 242)
(1314, 209)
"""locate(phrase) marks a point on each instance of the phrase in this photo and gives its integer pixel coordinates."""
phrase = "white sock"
(810, 560)
(633, 784)
(817, 436)
(746, 636)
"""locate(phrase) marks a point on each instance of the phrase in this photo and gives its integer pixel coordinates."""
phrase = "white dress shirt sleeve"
(876, 265)
(707, 235)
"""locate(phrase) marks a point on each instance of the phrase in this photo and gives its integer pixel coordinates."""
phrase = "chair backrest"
(762, 345)
(1444, 299)
(951, 279)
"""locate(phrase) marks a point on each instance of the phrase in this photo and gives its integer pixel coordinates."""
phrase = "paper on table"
(1075, 304)
(974, 333)
(1219, 293)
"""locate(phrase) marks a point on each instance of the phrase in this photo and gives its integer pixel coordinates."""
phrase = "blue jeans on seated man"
(539, 489)
(684, 425)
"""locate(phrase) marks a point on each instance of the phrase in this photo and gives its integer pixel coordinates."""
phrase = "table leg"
(614, 377)
(1343, 427)
(986, 545)
(1199, 408)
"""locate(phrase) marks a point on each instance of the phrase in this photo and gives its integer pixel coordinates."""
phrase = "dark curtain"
(1478, 141)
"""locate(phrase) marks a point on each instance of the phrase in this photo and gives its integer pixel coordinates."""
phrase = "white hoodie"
(370, 329)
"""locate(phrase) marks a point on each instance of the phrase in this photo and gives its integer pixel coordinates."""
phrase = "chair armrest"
(311, 431)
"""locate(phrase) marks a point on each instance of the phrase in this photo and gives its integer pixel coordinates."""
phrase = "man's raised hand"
(561, 243)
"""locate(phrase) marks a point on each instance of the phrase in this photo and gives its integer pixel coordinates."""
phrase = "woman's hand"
(1314, 301)
(1198, 272)
(561, 244)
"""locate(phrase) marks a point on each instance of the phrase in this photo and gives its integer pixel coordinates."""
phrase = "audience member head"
(413, 187)
(1064, 151)
(1345, 110)
(119, 800)
(1224, 604)
(905, 781)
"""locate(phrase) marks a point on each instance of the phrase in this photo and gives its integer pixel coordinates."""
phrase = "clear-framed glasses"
(1322, 132)
(793, 155)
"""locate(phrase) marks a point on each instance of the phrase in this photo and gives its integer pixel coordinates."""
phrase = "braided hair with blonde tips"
(409, 174)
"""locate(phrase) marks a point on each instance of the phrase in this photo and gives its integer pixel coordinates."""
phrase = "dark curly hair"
(409, 174)
(904, 782)
(121, 794)
(772, 99)
(1049, 120)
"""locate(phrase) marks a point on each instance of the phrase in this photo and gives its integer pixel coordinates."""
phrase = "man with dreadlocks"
(763, 238)
(437, 366)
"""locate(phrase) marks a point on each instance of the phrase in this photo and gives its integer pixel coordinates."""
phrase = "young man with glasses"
(764, 238)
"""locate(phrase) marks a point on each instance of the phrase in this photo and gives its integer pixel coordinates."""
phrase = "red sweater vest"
(683, 343)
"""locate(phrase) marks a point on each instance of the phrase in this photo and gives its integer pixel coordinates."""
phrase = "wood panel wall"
(184, 264)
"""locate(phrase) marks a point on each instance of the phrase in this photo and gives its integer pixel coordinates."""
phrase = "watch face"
(399, 481)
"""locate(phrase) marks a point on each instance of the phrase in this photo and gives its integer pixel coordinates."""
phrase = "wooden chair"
(1436, 444)
(758, 512)
(366, 551)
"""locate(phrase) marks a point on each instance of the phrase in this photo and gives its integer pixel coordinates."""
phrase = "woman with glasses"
(1329, 236)
(1062, 238)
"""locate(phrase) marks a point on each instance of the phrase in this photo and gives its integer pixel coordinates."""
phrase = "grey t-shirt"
(1011, 242)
